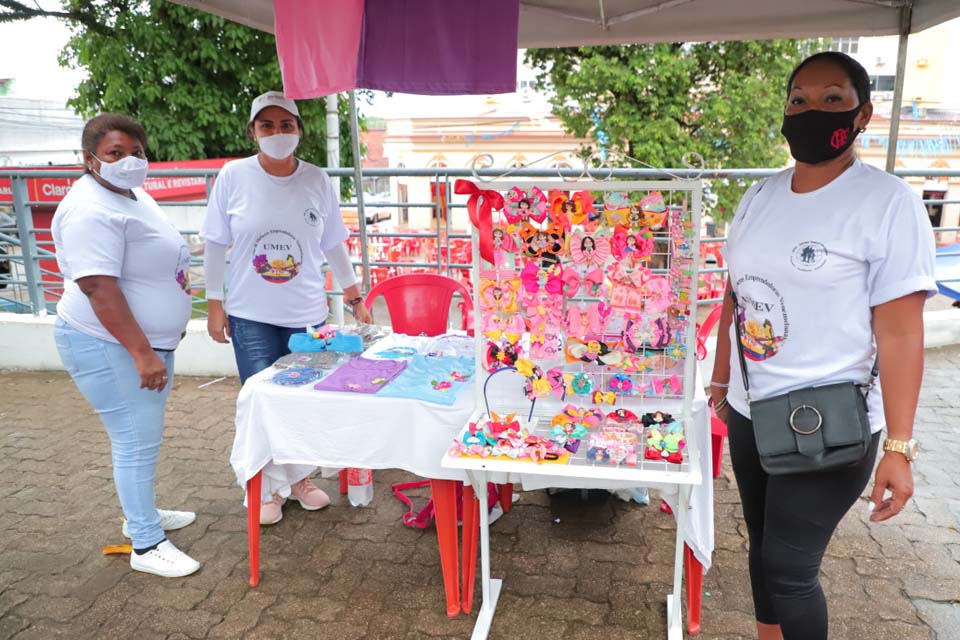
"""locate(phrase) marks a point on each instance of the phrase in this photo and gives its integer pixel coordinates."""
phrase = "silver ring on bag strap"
(793, 415)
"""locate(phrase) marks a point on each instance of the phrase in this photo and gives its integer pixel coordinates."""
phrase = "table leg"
(471, 533)
(445, 507)
(506, 497)
(694, 571)
(343, 482)
(490, 588)
(674, 600)
(253, 526)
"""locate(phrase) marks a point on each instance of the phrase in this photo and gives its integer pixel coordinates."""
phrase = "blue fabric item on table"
(432, 379)
(341, 342)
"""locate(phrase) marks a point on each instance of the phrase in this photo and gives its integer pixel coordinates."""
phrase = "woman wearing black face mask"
(830, 264)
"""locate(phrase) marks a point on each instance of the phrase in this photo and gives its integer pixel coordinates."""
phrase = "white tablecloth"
(290, 431)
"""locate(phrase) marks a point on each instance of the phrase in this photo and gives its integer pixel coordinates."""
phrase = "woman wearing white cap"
(281, 216)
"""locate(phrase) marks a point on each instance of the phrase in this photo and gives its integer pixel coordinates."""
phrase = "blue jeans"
(258, 345)
(106, 376)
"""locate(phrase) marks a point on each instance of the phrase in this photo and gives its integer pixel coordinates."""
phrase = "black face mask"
(817, 136)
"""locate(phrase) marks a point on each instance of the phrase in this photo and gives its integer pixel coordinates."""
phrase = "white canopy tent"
(558, 23)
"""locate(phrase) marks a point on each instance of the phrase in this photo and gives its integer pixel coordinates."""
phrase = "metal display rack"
(684, 196)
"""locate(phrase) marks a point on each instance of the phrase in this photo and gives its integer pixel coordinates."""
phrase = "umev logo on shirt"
(762, 315)
(183, 270)
(277, 256)
(809, 256)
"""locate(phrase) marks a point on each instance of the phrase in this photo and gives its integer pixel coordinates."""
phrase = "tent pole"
(358, 188)
(333, 161)
(906, 16)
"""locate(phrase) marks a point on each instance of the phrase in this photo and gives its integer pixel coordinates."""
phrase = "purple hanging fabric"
(437, 47)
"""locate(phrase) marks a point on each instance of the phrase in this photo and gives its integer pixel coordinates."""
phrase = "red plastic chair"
(419, 304)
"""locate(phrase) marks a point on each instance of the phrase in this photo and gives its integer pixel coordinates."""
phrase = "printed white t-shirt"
(98, 232)
(808, 268)
(279, 228)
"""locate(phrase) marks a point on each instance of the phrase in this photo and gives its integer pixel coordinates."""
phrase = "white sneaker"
(169, 520)
(165, 560)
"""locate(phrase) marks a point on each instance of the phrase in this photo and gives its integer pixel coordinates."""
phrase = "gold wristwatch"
(909, 448)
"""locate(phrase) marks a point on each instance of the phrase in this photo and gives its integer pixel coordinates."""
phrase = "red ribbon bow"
(481, 205)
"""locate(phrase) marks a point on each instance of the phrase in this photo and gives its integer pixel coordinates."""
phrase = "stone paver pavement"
(344, 573)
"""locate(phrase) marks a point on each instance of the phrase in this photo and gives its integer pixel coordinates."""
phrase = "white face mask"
(279, 145)
(125, 173)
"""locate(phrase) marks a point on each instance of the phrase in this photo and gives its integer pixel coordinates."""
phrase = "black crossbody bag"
(812, 429)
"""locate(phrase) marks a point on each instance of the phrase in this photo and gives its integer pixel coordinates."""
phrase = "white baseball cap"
(272, 99)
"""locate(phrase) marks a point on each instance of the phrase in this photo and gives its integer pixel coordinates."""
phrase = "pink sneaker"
(271, 511)
(308, 495)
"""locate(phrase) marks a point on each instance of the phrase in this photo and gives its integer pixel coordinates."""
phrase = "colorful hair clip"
(577, 323)
(582, 384)
(656, 418)
(496, 327)
(546, 279)
(620, 384)
(520, 205)
(571, 283)
(593, 282)
(653, 210)
(623, 416)
(616, 209)
(599, 397)
(499, 295)
(503, 239)
(636, 247)
(499, 357)
(589, 250)
(598, 454)
(593, 352)
(598, 316)
(498, 425)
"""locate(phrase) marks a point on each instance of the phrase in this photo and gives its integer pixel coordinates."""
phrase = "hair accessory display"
(656, 418)
(671, 386)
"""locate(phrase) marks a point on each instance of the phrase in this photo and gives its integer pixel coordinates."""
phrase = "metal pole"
(333, 137)
(906, 17)
(28, 246)
(358, 189)
(333, 162)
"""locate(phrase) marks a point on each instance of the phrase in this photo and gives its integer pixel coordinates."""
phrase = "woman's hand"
(218, 326)
(893, 473)
(152, 370)
(361, 315)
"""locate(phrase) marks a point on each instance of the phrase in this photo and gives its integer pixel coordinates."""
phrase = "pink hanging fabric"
(318, 43)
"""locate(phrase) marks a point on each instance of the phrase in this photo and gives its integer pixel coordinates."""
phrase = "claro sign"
(177, 188)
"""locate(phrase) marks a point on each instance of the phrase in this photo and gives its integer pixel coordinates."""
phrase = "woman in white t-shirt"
(281, 218)
(125, 305)
(831, 262)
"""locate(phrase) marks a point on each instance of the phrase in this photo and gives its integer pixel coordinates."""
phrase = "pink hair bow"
(597, 318)
(521, 205)
(535, 278)
(667, 386)
(589, 250)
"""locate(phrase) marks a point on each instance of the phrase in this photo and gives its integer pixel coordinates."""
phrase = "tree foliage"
(189, 77)
(657, 102)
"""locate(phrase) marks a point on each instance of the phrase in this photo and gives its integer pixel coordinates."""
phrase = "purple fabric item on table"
(361, 375)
